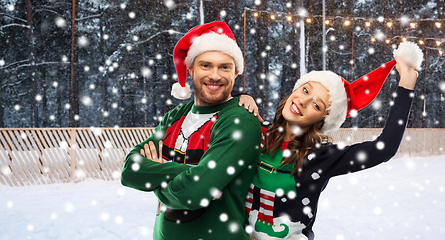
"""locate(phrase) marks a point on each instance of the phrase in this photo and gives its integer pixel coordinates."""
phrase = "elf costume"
(210, 155)
(283, 206)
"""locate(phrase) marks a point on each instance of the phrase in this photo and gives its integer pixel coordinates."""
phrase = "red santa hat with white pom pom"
(347, 98)
(214, 36)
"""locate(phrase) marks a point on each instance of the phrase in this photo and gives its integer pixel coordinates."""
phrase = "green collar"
(212, 109)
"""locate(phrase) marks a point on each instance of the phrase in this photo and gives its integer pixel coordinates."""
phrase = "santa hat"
(347, 98)
(214, 36)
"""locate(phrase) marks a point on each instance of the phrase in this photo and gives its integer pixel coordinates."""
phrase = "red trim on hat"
(363, 91)
(183, 45)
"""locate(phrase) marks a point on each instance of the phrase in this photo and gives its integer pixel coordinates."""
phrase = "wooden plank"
(95, 163)
(53, 156)
(44, 166)
(98, 145)
(85, 157)
(6, 171)
(120, 146)
(11, 137)
(112, 151)
(28, 150)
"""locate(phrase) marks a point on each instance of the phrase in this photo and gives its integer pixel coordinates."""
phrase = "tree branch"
(15, 18)
(15, 25)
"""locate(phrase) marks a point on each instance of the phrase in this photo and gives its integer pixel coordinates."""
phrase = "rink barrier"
(51, 155)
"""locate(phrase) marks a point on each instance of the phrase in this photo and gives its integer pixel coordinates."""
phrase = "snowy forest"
(109, 63)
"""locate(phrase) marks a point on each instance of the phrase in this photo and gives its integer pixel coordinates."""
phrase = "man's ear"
(236, 73)
(190, 69)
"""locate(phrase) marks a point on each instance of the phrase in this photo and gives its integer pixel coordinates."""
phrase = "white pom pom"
(411, 53)
(180, 92)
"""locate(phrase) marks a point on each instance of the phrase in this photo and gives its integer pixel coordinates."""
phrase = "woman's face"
(306, 106)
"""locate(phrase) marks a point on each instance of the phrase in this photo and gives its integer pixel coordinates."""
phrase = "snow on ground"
(401, 199)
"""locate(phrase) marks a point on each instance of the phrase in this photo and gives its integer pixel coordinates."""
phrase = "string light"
(390, 23)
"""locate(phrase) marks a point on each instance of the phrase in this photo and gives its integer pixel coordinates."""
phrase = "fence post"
(73, 154)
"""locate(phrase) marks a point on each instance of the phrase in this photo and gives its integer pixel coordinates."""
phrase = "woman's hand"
(408, 75)
(150, 152)
(250, 105)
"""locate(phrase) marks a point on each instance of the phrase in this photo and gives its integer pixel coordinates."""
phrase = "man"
(210, 145)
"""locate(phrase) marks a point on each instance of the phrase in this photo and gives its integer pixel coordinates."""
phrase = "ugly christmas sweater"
(282, 206)
(211, 154)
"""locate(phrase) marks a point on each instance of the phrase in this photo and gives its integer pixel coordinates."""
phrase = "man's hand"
(149, 152)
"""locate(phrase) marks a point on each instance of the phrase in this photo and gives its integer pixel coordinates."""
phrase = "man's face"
(213, 76)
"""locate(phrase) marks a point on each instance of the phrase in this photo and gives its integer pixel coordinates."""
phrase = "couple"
(220, 175)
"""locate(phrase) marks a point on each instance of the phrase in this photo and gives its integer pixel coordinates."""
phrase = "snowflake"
(118, 220)
(223, 217)
(135, 167)
(279, 192)
(204, 202)
(377, 211)
(83, 41)
(60, 22)
(249, 229)
(380, 145)
(305, 201)
(105, 217)
(362, 156)
(287, 153)
(69, 207)
(211, 164)
(291, 194)
(230, 170)
(237, 135)
(87, 101)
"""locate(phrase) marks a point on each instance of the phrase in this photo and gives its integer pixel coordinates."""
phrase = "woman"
(296, 162)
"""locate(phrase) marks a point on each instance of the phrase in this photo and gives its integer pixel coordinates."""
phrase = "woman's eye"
(316, 106)
(305, 90)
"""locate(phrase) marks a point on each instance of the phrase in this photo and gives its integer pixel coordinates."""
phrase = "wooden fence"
(49, 155)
